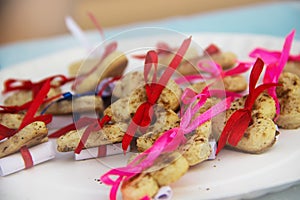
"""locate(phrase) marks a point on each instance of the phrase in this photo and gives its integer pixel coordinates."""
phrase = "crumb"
(98, 180)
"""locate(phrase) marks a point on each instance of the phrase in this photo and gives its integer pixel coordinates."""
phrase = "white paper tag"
(14, 163)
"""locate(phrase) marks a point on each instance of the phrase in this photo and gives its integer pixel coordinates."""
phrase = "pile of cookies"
(29, 106)
(257, 111)
(169, 121)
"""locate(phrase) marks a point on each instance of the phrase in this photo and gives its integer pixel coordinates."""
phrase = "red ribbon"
(26, 155)
(15, 109)
(6, 132)
(91, 124)
(240, 119)
(30, 114)
(95, 126)
(25, 106)
(102, 151)
(82, 122)
(143, 116)
(17, 84)
(212, 49)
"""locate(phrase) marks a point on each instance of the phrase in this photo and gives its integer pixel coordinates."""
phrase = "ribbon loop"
(18, 84)
(29, 117)
(143, 116)
(239, 121)
(96, 125)
(275, 60)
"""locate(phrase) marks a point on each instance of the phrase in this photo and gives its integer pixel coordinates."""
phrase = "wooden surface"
(29, 19)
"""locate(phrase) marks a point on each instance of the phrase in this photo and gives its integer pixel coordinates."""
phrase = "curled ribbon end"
(125, 142)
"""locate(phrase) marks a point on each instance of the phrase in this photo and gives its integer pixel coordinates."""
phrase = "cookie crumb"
(98, 180)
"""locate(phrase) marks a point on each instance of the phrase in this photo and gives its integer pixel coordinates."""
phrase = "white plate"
(232, 175)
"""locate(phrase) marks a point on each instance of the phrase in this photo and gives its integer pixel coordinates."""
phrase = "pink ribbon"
(97, 25)
(169, 141)
(275, 61)
(214, 71)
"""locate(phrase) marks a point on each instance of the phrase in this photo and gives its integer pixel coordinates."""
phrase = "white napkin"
(111, 149)
(14, 163)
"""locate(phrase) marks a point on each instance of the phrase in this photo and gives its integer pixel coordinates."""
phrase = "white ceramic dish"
(233, 175)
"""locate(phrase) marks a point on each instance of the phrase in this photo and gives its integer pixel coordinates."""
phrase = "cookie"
(128, 83)
(236, 83)
(18, 98)
(259, 136)
(77, 68)
(123, 109)
(165, 121)
(32, 134)
(189, 63)
(289, 98)
(12, 121)
(79, 105)
(225, 59)
(167, 169)
(139, 186)
(113, 65)
(109, 134)
(261, 133)
(292, 67)
(197, 148)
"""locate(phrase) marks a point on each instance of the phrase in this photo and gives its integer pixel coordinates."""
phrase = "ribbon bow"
(169, 140)
(240, 119)
(17, 84)
(91, 125)
(29, 117)
(144, 113)
(276, 61)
